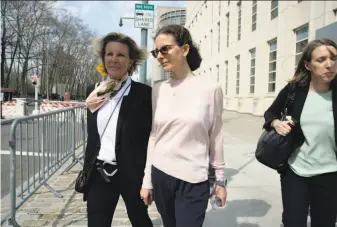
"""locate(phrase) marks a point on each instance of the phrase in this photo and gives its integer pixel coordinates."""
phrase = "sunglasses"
(163, 50)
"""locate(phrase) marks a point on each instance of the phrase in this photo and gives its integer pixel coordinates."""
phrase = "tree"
(36, 38)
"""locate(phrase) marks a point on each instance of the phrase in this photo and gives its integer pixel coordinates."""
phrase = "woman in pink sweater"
(186, 134)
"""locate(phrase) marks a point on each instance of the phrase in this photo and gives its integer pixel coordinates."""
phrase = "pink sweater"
(187, 130)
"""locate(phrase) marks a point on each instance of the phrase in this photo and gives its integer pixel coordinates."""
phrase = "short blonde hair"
(138, 55)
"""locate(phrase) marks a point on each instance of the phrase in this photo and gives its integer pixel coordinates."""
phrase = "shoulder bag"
(273, 149)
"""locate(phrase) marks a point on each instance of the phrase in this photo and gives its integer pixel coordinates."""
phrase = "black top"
(295, 110)
(133, 131)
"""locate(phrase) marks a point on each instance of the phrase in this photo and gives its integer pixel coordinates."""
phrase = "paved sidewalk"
(254, 198)
(44, 209)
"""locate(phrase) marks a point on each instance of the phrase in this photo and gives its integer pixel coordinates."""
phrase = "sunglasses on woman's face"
(163, 50)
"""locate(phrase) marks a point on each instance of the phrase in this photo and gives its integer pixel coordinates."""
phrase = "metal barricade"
(39, 146)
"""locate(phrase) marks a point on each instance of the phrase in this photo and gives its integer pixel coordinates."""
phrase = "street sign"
(144, 16)
(34, 77)
(35, 80)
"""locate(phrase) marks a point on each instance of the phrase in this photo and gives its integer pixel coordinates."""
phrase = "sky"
(103, 17)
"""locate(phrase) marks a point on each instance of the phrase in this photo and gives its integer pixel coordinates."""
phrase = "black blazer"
(133, 131)
(301, 92)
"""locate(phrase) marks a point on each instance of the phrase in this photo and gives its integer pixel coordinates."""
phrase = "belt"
(106, 169)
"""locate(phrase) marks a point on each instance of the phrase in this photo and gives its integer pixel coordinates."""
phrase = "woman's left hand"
(221, 192)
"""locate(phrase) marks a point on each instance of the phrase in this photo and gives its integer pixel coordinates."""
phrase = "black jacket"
(133, 131)
(301, 92)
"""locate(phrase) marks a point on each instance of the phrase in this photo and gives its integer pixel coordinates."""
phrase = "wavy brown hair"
(302, 76)
(136, 54)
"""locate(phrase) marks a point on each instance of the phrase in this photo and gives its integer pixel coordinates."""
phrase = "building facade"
(252, 47)
(165, 16)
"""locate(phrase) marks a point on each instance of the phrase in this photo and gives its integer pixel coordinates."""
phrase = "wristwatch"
(221, 183)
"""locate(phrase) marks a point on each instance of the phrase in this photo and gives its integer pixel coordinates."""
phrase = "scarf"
(103, 93)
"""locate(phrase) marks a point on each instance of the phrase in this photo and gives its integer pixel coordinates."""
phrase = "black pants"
(180, 204)
(318, 192)
(103, 198)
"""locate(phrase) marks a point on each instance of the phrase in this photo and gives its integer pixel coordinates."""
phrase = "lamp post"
(143, 43)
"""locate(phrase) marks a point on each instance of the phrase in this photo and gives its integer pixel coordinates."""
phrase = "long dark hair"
(182, 36)
(302, 76)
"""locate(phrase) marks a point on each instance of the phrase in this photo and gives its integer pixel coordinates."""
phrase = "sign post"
(144, 19)
(36, 84)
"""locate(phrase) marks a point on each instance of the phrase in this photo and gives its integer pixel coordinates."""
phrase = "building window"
(219, 8)
(335, 12)
(226, 82)
(227, 29)
(252, 70)
(301, 42)
(274, 9)
(219, 37)
(254, 15)
(239, 20)
(217, 73)
(228, 2)
(272, 65)
(237, 74)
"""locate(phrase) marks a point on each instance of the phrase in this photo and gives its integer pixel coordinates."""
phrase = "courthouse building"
(251, 47)
(165, 16)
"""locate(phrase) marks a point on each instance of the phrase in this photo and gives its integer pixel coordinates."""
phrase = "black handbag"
(273, 149)
(82, 180)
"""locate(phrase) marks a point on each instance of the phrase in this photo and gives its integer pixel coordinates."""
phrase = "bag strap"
(290, 99)
(96, 153)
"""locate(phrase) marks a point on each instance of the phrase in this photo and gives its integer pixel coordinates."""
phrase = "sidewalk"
(44, 209)
(254, 198)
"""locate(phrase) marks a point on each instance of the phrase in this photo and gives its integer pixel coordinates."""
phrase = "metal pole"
(143, 41)
(47, 75)
(12, 186)
(36, 110)
(36, 98)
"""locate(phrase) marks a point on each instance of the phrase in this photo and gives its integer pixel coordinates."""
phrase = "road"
(58, 141)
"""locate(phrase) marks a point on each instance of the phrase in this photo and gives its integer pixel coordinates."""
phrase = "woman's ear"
(186, 49)
(307, 66)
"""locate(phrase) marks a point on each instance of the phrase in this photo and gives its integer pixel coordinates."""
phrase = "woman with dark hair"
(310, 177)
(186, 134)
(119, 121)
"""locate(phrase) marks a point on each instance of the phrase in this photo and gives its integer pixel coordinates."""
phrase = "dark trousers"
(180, 204)
(318, 192)
(103, 198)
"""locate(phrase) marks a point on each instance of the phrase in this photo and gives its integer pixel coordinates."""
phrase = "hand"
(146, 196)
(281, 127)
(221, 192)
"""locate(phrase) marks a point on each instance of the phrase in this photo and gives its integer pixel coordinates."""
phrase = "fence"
(39, 146)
